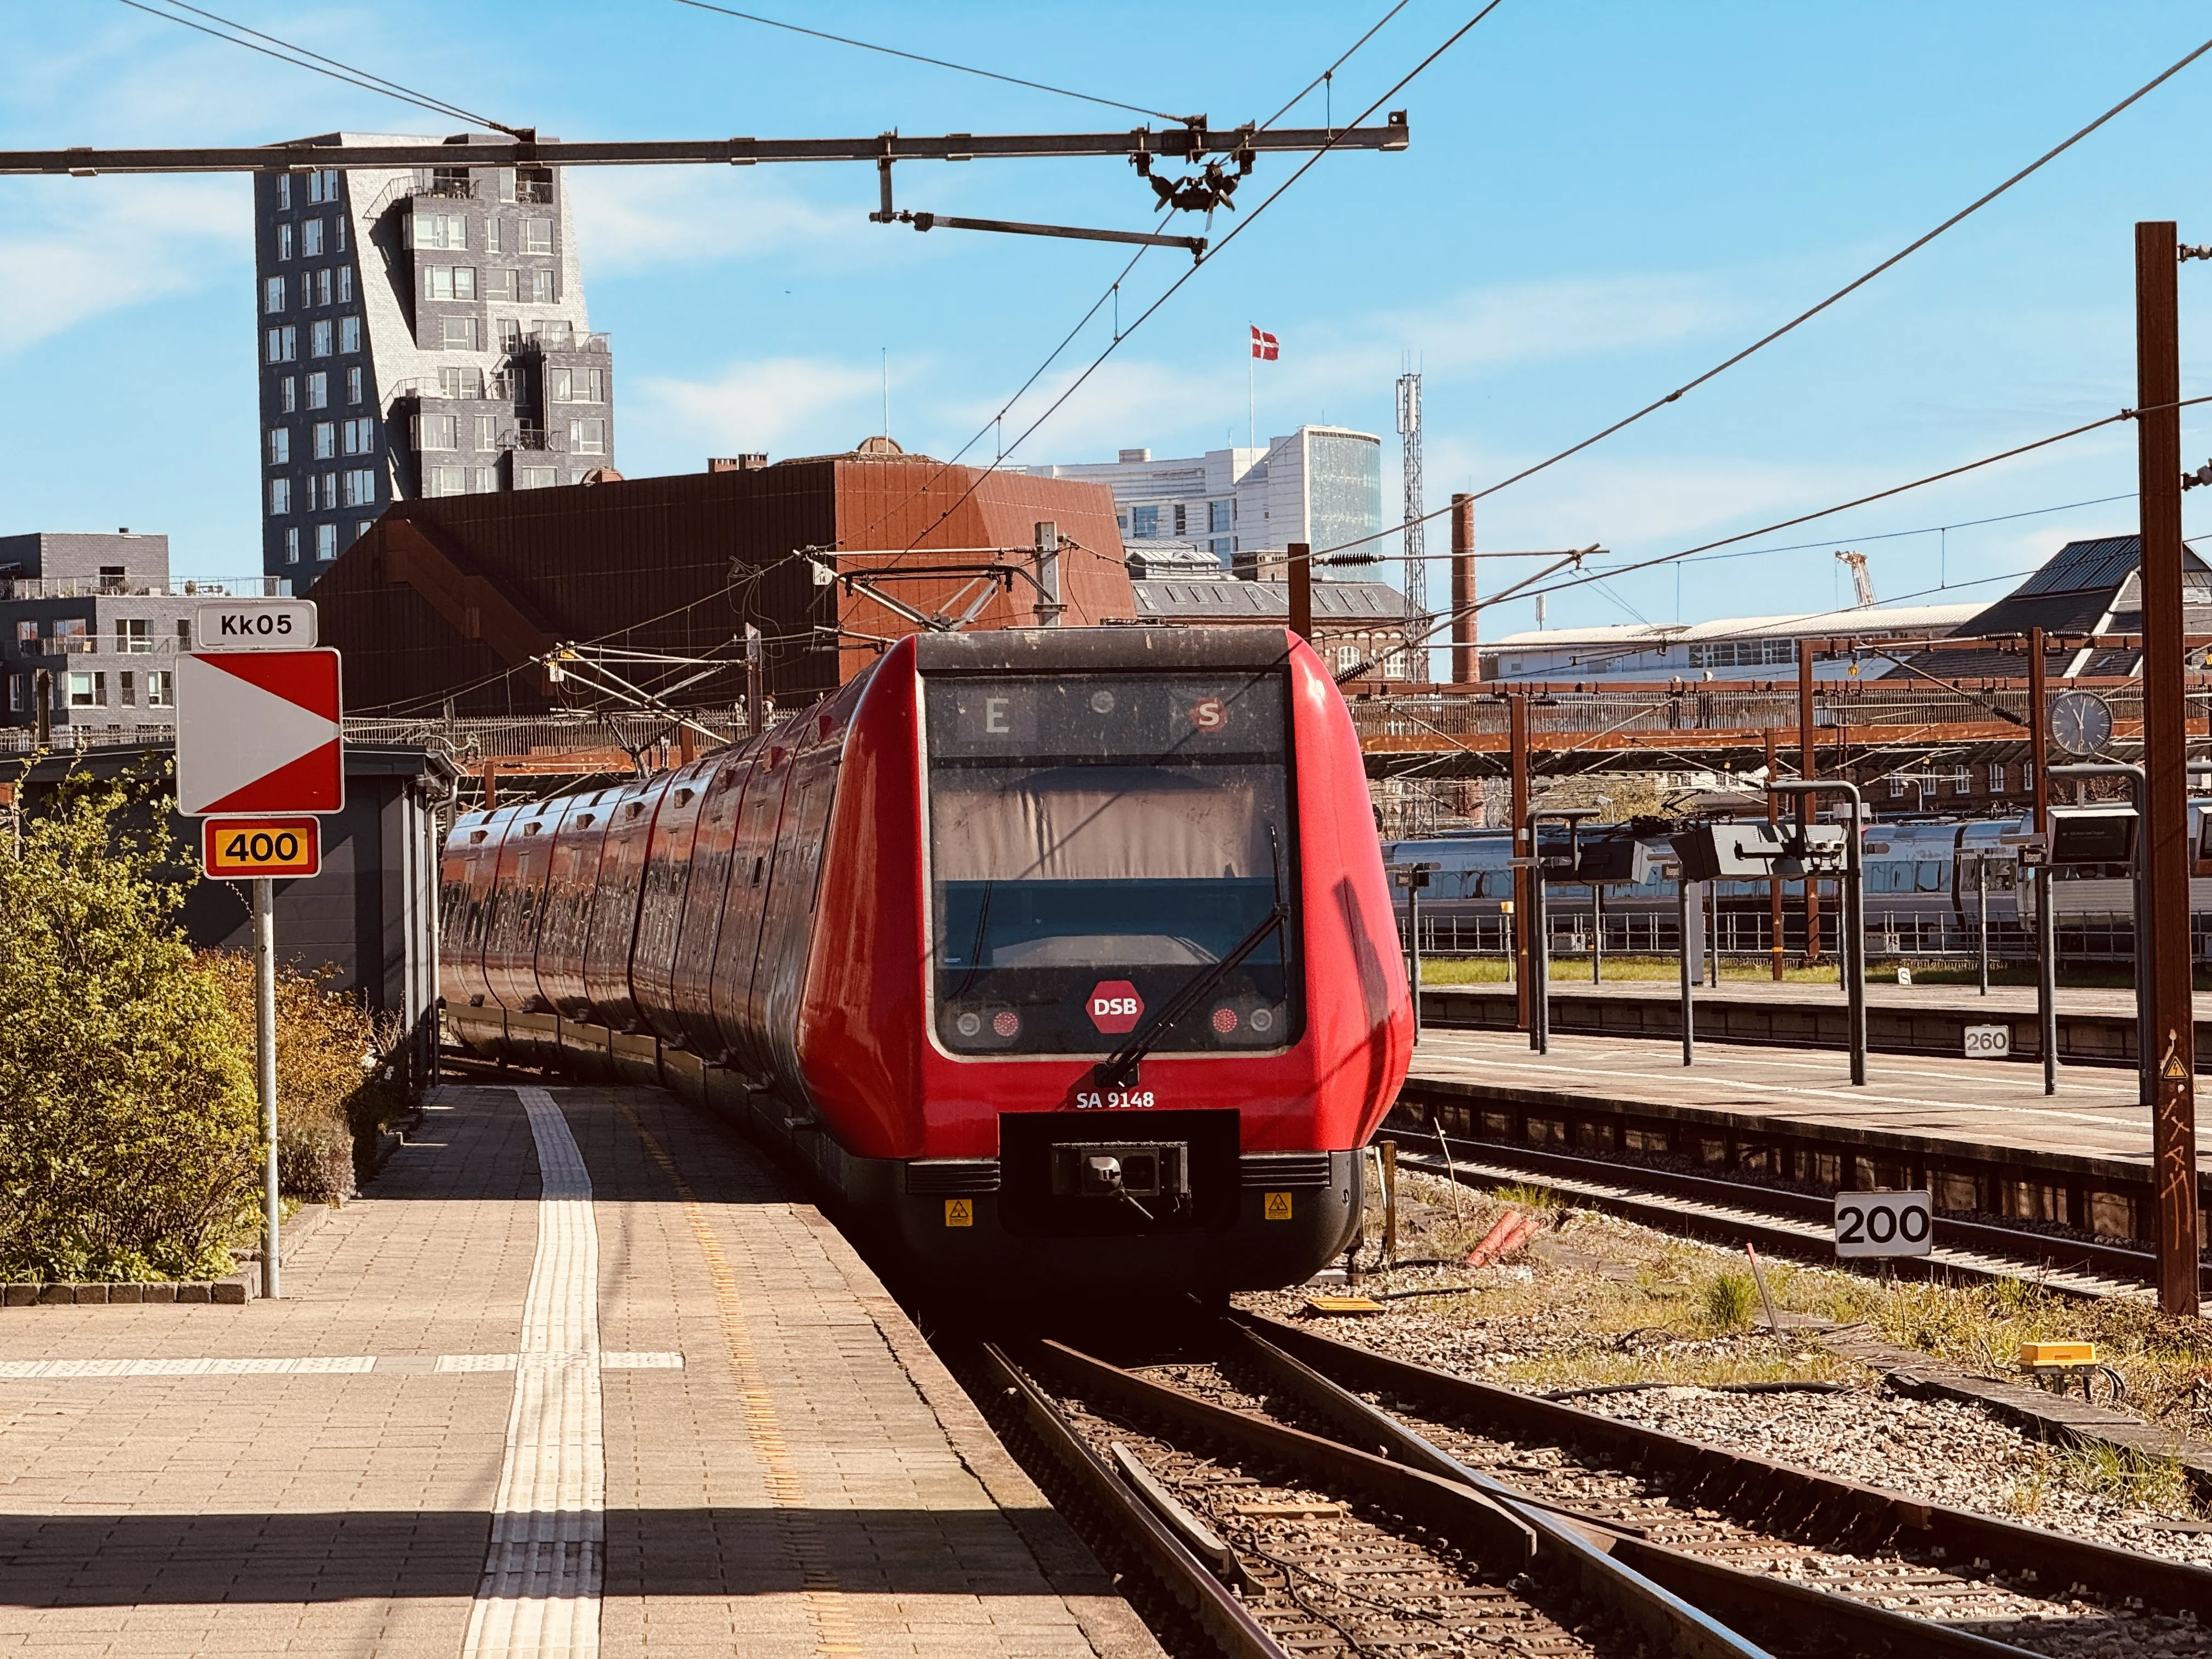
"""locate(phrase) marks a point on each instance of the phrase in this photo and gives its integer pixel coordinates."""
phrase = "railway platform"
(2095, 1026)
(1979, 1134)
(578, 1374)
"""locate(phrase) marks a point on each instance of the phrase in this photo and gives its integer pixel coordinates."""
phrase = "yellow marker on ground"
(2057, 1354)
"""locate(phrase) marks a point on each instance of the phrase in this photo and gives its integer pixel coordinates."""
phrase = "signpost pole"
(1682, 940)
(264, 1036)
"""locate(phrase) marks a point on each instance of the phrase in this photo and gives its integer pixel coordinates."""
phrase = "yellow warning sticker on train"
(959, 1212)
(1279, 1206)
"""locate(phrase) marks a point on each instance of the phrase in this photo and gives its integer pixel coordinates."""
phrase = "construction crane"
(1861, 583)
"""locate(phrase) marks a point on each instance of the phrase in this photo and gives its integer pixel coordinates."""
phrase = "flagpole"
(1251, 422)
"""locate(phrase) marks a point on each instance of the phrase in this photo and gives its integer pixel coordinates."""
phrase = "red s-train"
(1062, 957)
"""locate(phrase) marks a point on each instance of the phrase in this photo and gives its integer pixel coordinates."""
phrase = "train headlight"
(1262, 1021)
(969, 1024)
(1006, 1023)
(1224, 1019)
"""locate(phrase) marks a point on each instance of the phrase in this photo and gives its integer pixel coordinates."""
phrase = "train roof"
(1100, 650)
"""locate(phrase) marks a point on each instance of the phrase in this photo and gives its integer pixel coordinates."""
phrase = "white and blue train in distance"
(1920, 891)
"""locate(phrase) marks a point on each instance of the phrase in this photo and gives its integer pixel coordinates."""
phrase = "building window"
(535, 477)
(345, 283)
(438, 230)
(2027, 776)
(458, 333)
(1144, 523)
(279, 496)
(587, 437)
(284, 241)
(1997, 778)
(27, 638)
(19, 692)
(1223, 548)
(134, 635)
(360, 487)
(184, 625)
(353, 385)
(319, 339)
(311, 239)
(349, 334)
(576, 386)
(361, 436)
(160, 688)
(287, 394)
(450, 282)
(291, 556)
(537, 235)
(319, 389)
(1960, 782)
(283, 345)
(487, 431)
(330, 490)
(1181, 526)
(323, 287)
(460, 382)
(126, 686)
(536, 287)
(326, 440)
(499, 285)
(342, 233)
(272, 295)
(483, 481)
(283, 192)
(445, 480)
(307, 290)
(280, 446)
(435, 432)
(87, 690)
(326, 541)
(1217, 517)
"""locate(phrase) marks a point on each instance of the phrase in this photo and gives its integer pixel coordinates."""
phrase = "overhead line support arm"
(1181, 142)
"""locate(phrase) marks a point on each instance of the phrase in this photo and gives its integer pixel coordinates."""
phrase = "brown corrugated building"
(451, 599)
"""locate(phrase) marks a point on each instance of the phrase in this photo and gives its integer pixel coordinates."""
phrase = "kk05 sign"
(239, 849)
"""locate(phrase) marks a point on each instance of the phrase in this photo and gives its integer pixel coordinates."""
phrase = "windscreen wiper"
(1119, 1070)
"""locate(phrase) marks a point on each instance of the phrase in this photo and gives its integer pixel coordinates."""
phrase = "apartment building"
(422, 332)
(1320, 485)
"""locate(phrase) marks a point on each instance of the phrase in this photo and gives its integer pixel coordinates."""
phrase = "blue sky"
(1600, 202)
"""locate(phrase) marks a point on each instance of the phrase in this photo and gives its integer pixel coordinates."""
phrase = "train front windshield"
(1101, 845)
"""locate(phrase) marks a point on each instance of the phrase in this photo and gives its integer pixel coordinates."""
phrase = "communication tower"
(1409, 432)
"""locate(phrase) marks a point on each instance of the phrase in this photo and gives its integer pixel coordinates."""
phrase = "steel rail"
(1180, 1574)
(1723, 1477)
(1720, 1591)
(1454, 1510)
(1969, 1247)
(1174, 143)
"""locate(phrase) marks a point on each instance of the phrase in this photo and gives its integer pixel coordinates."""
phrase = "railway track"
(1797, 1222)
(1281, 1493)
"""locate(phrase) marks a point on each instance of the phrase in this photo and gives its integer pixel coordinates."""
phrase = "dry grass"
(1607, 1301)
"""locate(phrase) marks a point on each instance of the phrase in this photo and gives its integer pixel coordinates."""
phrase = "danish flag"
(1263, 346)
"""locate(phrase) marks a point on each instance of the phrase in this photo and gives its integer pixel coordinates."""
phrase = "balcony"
(537, 192)
(106, 587)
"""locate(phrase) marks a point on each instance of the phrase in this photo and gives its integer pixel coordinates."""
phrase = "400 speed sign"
(240, 849)
(1884, 1224)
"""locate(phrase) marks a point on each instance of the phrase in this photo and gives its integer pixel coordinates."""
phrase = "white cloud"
(759, 406)
(633, 219)
(86, 247)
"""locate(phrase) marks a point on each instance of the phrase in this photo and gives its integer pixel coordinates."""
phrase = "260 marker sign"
(239, 849)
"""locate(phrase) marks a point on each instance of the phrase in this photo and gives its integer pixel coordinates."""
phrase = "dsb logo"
(1113, 1006)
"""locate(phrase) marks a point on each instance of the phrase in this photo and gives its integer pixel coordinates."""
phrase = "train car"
(1923, 892)
(1063, 959)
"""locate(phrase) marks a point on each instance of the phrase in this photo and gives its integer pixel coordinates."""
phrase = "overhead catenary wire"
(935, 63)
(1525, 588)
(1111, 292)
(1812, 311)
(337, 70)
(1207, 258)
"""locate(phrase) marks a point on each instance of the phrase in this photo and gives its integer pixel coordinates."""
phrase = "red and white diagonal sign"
(259, 731)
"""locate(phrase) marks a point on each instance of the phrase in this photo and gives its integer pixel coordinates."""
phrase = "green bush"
(128, 1131)
(1728, 1300)
(332, 1102)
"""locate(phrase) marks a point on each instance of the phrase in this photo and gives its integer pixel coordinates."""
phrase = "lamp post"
(1854, 918)
(1413, 878)
(1539, 964)
(1674, 872)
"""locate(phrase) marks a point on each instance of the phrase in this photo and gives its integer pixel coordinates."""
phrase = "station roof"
(1340, 605)
(2085, 588)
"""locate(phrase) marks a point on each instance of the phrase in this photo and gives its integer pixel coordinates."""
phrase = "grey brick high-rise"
(420, 331)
